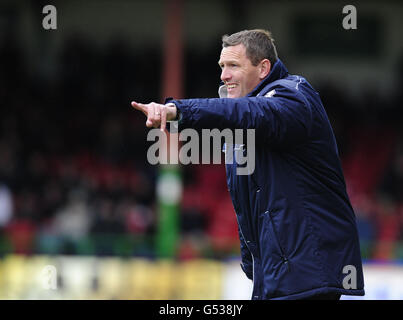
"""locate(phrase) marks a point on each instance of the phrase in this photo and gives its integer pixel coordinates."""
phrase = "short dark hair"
(259, 44)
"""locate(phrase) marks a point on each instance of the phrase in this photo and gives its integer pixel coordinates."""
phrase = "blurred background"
(76, 190)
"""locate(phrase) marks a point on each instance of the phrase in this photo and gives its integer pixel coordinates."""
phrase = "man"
(296, 225)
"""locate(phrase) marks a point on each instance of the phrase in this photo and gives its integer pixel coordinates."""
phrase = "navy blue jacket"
(296, 225)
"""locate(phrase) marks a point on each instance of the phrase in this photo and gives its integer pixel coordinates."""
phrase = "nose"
(225, 75)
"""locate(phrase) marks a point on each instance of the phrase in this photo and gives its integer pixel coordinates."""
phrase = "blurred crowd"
(74, 178)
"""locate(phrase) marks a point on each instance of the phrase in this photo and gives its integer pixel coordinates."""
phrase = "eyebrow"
(228, 61)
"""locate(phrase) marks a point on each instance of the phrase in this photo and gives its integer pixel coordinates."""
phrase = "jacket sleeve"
(246, 258)
(284, 118)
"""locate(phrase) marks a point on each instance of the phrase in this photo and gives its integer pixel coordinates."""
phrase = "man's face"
(238, 73)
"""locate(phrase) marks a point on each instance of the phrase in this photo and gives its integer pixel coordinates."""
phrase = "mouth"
(230, 86)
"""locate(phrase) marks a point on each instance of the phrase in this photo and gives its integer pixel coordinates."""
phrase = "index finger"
(139, 106)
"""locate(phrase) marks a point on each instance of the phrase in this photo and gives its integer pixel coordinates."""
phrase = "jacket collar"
(279, 71)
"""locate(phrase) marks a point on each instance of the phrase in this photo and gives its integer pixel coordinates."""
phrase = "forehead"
(231, 53)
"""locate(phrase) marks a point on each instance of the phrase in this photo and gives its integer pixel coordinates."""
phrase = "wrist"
(173, 112)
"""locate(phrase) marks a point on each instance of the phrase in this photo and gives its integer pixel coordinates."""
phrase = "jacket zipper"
(279, 247)
(247, 246)
(253, 259)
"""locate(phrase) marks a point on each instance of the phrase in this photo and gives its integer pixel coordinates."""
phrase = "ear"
(265, 68)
